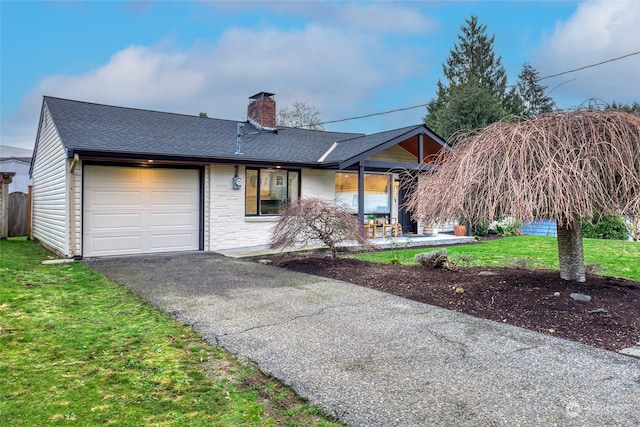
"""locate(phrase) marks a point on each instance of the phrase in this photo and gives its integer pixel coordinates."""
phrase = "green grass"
(76, 348)
(613, 258)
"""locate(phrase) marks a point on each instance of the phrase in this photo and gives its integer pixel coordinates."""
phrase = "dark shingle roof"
(352, 147)
(19, 159)
(88, 127)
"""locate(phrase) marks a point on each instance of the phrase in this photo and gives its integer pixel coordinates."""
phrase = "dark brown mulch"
(525, 298)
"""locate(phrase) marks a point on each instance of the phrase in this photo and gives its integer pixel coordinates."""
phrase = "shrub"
(509, 227)
(480, 228)
(612, 227)
(433, 259)
(311, 220)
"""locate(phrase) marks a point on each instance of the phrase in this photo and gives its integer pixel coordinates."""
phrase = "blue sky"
(345, 58)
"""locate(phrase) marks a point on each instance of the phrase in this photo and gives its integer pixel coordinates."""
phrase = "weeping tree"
(562, 165)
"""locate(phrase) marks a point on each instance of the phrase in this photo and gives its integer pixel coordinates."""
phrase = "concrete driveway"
(373, 359)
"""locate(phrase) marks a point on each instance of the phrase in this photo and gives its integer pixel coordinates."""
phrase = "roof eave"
(92, 155)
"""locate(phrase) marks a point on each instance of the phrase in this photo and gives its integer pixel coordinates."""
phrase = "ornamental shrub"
(612, 227)
(311, 221)
(480, 228)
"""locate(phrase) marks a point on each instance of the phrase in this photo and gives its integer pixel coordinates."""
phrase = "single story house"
(112, 180)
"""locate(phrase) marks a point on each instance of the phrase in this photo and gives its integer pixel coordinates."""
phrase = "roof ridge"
(408, 129)
(140, 109)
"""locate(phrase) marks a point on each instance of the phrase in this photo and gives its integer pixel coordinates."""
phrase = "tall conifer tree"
(475, 93)
(532, 93)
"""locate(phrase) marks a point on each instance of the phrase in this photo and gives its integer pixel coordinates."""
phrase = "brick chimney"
(262, 109)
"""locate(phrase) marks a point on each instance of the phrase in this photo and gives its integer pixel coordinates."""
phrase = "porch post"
(420, 148)
(361, 192)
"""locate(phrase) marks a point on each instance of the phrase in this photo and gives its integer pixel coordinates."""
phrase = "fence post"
(5, 180)
(29, 213)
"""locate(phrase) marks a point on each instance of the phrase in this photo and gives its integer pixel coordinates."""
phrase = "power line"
(589, 66)
(560, 84)
(373, 114)
(509, 86)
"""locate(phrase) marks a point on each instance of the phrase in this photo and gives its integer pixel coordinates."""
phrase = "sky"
(346, 59)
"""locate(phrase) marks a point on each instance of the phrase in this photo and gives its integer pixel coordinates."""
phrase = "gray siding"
(50, 203)
(21, 181)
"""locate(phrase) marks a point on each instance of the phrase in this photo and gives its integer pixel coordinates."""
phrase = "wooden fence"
(18, 214)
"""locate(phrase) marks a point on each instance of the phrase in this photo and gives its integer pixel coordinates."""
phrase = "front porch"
(380, 243)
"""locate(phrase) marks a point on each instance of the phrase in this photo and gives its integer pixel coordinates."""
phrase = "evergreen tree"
(532, 94)
(476, 91)
(629, 108)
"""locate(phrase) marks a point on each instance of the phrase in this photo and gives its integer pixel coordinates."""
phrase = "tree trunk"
(570, 253)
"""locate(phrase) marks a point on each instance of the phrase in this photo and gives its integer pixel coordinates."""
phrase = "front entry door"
(404, 216)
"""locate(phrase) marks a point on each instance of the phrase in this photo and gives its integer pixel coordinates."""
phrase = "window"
(377, 193)
(270, 191)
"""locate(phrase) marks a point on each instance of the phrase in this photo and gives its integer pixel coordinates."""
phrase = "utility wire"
(589, 66)
(372, 114)
(509, 86)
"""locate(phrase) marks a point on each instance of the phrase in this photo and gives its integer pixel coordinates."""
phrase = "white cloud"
(597, 31)
(375, 17)
(329, 68)
(387, 18)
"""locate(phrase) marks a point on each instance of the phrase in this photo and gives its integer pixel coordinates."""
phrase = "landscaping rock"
(580, 297)
(487, 273)
(265, 261)
(631, 351)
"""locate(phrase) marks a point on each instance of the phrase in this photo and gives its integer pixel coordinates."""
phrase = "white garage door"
(131, 210)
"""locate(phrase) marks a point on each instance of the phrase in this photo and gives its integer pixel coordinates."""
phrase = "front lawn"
(613, 258)
(77, 348)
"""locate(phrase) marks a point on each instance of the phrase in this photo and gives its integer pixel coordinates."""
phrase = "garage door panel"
(124, 176)
(116, 198)
(131, 210)
(171, 242)
(173, 220)
(132, 221)
(169, 177)
(173, 198)
(121, 244)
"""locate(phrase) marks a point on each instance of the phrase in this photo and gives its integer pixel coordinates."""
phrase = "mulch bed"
(521, 297)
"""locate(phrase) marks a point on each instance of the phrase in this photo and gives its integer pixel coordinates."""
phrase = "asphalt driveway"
(373, 359)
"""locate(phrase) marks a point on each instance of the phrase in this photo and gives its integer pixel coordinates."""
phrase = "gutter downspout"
(72, 204)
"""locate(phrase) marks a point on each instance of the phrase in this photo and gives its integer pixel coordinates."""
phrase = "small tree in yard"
(562, 165)
(311, 220)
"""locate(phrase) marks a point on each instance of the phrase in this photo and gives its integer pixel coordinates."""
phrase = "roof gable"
(348, 152)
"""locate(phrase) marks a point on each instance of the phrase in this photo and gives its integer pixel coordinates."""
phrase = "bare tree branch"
(561, 165)
(311, 221)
